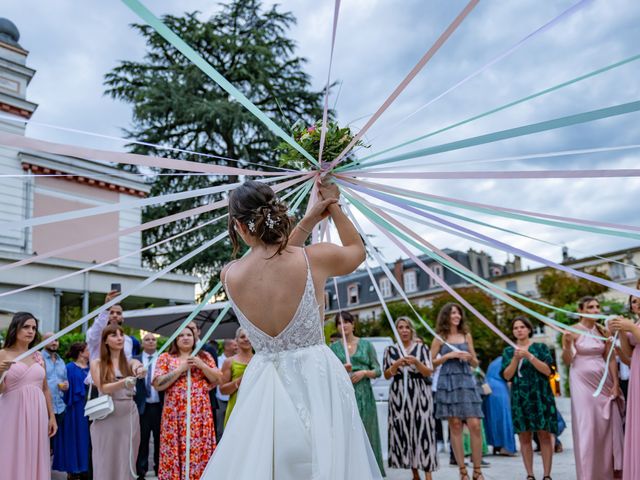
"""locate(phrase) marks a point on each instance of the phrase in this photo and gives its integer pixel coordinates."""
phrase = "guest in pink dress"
(629, 339)
(26, 412)
(596, 421)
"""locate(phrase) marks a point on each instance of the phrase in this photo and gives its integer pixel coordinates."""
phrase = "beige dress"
(115, 439)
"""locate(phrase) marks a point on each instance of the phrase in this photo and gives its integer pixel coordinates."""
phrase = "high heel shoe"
(463, 473)
(477, 474)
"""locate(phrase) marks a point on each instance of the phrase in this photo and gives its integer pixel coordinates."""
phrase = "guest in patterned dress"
(171, 376)
(233, 370)
(533, 406)
(412, 429)
(457, 396)
(363, 367)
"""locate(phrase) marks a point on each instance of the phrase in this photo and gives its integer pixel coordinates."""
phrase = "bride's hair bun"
(255, 205)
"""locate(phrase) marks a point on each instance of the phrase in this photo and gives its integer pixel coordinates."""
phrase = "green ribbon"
(401, 193)
(498, 109)
(145, 14)
(553, 124)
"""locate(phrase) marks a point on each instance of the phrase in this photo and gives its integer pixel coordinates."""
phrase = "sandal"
(531, 477)
(547, 477)
(477, 474)
(463, 473)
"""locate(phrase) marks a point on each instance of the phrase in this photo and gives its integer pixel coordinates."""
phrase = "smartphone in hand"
(116, 286)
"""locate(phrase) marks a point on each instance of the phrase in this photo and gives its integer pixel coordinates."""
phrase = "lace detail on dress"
(304, 329)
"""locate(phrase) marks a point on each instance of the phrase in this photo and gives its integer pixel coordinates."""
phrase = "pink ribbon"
(21, 142)
(139, 228)
(412, 74)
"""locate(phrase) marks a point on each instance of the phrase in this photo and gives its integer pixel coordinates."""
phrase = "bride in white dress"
(296, 416)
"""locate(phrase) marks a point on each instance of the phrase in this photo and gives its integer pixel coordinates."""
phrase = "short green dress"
(533, 406)
(365, 358)
(237, 370)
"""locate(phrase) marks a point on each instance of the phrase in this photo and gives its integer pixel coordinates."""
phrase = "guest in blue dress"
(75, 458)
(496, 407)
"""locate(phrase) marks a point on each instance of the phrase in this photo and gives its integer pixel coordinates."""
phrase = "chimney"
(398, 270)
(565, 254)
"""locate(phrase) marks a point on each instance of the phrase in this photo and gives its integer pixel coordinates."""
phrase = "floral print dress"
(173, 438)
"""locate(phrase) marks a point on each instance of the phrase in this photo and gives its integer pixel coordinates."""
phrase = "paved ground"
(502, 468)
(511, 468)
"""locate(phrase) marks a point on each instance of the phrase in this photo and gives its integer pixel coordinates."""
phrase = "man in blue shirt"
(58, 384)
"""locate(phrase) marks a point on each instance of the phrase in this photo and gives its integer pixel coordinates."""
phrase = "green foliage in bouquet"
(336, 140)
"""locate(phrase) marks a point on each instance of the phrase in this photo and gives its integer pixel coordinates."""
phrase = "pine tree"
(177, 105)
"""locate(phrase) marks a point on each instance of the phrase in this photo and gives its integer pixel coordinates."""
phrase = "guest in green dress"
(233, 370)
(363, 367)
(533, 406)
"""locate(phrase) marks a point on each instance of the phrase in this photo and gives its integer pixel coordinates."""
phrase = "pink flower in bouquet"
(311, 129)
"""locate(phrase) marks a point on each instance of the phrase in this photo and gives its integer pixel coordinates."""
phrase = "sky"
(73, 44)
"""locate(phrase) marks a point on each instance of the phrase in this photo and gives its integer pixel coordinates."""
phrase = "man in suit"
(149, 402)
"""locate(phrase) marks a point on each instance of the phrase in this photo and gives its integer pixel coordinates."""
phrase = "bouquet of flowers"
(308, 137)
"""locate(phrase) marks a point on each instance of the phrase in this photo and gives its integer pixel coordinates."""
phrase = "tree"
(561, 289)
(176, 105)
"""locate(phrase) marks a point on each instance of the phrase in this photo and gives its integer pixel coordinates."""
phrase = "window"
(410, 281)
(385, 287)
(437, 269)
(352, 294)
(512, 285)
(327, 300)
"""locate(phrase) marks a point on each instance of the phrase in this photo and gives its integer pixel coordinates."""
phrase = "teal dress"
(365, 358)
(533, 406)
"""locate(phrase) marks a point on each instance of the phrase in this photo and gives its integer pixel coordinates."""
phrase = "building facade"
(34, 184)
(357, 294)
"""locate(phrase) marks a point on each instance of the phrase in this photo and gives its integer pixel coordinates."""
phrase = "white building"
(90, 184)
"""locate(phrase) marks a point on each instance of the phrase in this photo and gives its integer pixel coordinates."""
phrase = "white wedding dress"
(296, 416)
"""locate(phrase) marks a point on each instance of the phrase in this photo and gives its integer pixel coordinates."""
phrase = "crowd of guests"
(43, 398)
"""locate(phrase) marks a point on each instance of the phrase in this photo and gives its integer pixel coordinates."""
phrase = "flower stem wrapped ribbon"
(308, 137)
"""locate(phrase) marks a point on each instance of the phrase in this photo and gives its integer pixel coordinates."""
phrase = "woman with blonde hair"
(233, 370)
(412, 429)
(457, 396)
(115, 439)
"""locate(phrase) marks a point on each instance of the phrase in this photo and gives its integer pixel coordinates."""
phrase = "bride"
(296, 416)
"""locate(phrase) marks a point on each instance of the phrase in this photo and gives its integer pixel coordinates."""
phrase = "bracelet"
(303, 229)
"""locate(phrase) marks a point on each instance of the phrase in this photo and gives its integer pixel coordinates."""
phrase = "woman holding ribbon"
(412, 429)
(532, 403)
(457, 396)
(596, 420)
(170, 376)
(363, 367)
(115, 438)
(26, 411)
(629, 340)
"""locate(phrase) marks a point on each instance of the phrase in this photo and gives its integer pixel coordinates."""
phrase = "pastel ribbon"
(501, 174)
(504, 107)
(145, 14)
(405, 82)
(547, 26)
(499, 244)
(21, 142)
(325, 111)
(139, 228)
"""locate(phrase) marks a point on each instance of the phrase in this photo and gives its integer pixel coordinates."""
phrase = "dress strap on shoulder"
(306, 259)
(226, 275)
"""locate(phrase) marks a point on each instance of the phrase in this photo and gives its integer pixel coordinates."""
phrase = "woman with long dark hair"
(75, 434)
(171, 378)
(533, 406)
(457, 396)
(115, 439)
(26, 411)
(296, 415)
